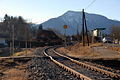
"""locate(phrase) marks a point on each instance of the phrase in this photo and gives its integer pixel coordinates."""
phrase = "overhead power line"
(90, 4)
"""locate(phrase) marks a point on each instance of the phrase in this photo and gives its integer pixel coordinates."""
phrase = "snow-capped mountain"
(74, 20)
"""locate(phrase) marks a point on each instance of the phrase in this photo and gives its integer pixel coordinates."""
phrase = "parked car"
(107, 40)
(2, 45)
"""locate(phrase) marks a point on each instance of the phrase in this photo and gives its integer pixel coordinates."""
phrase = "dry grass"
(9, 61)
(24, 53)
(15, 74)
(90, 52)
(80, 51)
(96, 44)
(15, 70)
(115, 48)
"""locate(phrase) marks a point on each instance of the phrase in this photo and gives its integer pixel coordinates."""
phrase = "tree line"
(115, 32)
(17, 25)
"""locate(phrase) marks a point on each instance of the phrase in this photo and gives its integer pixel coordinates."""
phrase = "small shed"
(97, 34)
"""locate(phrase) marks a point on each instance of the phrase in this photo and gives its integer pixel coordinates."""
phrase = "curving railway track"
(80, 69)
(44, 67)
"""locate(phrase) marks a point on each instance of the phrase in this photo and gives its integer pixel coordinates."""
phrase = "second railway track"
(80, 69)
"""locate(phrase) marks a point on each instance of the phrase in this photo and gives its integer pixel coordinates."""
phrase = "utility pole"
(77, 33)
(86, 30)
(84, 24)
(26, 40)
(83, 28)
(10, 31)
(13, 39)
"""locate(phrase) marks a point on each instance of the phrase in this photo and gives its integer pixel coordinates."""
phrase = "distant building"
(47, 36)
(97, 34)
(3, 38)
(107, 40)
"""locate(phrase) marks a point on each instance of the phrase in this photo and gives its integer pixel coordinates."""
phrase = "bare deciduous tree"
(115, 32)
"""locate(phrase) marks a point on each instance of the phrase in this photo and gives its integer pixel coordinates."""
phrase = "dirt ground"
(94, 51)
(28, 52)
(5, 52)
(115, 49)
(13, 70)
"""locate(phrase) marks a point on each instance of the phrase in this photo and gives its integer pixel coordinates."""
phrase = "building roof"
(46, 33)
(99, 28)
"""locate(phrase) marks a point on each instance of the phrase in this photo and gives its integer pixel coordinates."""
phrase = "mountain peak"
(74, 19)
(71, 13)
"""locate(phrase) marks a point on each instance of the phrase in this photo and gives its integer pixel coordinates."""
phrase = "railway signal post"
(65, 27)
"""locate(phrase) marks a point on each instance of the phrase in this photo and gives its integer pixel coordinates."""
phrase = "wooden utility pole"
(83, 28)
(84, 24)
(10, 31)
(26, 42)
(86, 30)
(13, 39)
(78, 34)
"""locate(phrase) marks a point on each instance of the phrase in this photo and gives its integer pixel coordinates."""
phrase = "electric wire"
(90, 4)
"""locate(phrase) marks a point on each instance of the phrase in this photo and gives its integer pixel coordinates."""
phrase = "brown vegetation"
(115, 49)
(80, 51)
(28, 52)
(13, 70)
(15, 74)
(115, 33)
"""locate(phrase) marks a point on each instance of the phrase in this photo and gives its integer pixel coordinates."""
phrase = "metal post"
(65, 38)
(65, 27)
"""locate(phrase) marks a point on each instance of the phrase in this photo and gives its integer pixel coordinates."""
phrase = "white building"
(97, 34)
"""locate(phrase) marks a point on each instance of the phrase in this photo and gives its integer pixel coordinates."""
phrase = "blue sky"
(39, 11)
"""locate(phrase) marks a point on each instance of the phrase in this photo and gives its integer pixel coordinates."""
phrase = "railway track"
(80, 69)
(103, 67)
(44, 69)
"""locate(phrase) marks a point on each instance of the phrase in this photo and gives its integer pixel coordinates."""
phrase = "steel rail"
(18, 57)
(108, 73)
(77, 74)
